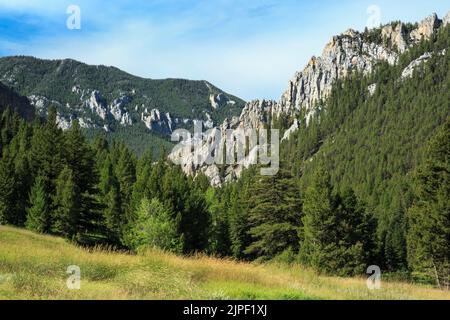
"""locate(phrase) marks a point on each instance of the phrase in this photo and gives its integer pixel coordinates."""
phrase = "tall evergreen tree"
(38, 218)
(154, 228)
(219, 239)
(319, 221)
(274, 215)
(429, 218)
(111, 203)
(67, 202)
(80, 159)
(125, 171)
(142, 188)
(238, 216)
(8, 195)
(46, 152)
(20, 147)
(337, 235)
(114, 217)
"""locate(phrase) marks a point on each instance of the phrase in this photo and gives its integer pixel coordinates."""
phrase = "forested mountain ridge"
(345, 54)
(107, 99)
(355, 165)
(16, 103)
(364, 179)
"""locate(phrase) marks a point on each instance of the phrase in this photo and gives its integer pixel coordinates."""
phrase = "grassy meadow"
(34, 266)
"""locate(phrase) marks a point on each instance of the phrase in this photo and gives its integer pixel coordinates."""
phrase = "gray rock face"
(256, 113)
(408, 71)
(396, 36)
(202, 154)
(219, 100)
(79, 91)
(341, 55)
(350, 51)
(446, 19)
(291, 130)
(426, 28)
(41, 103)
(157, 121)
(63, 123)
(372, 88)
(415, 64)
(118, 110)
(344, 53)
(97, 104)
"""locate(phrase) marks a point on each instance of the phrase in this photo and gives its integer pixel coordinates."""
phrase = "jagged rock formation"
(341, 55)
(351, 50)
(219, 100)
(426, 28)
(446, 19)
(155, 120)
(396, 35)
(144, 112)
(256, 113)
(291, 130)
(212, 147)
(409, 70)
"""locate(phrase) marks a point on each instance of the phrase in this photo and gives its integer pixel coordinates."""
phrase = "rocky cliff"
(344, 53)
(110, 100)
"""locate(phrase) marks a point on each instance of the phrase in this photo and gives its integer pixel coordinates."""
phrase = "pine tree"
(114, 218)
(9, 124)
(15, 178)
(429, 218)
(80, 159)
(187, 207)
(219, 239)
(20, 147)
(274, 215)
(154, 228)
(194, 222)
(238, 217)
(8, 195)
(125, 172)
(38, 218)
(79, 156)
(46, 152)
(338, 234)
(142, 188)
(101, 150)
(356, 233)
(66, 215)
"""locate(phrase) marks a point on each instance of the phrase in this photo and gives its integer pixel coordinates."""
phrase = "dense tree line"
(54, 181)
(372, 144)
(365, 182)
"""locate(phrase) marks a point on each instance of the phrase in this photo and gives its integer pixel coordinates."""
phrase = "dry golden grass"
(34, 267)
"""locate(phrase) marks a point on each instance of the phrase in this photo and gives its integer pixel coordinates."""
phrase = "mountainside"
(110, 100)
(363, 178)
(17, 103)
(348, 53)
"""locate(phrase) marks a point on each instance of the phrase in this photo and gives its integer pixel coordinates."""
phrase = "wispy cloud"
(249, 48)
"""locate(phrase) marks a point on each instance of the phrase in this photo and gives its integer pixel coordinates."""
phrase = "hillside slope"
(17, 103)
(106, 99)
(349, 53)
(34, 267)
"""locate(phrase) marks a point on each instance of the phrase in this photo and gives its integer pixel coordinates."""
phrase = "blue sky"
(248, 48)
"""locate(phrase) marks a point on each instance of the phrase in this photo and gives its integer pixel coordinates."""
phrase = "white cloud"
(257, 67)
(249, 49)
